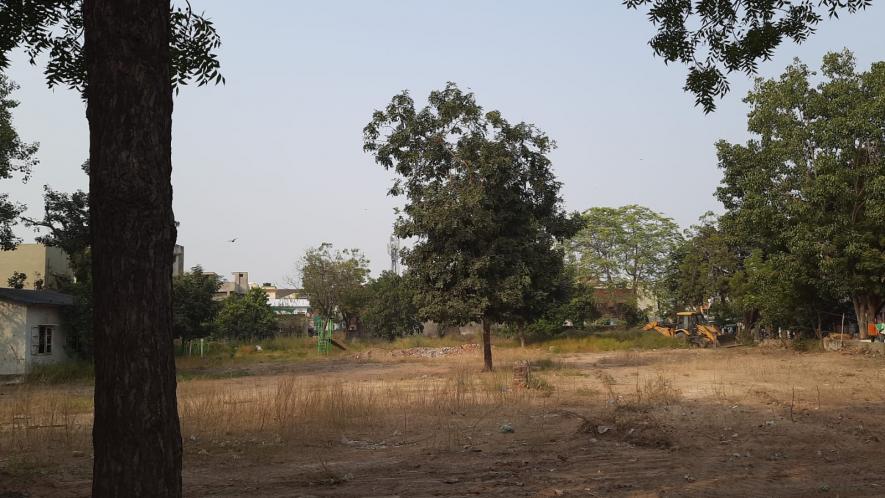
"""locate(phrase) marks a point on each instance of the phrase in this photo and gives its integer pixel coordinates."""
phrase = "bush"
(390, 311)
(247, 317)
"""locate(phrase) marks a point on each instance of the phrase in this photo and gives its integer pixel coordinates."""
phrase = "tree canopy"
(805, 197)
(390, 310)
(247, 316)
(193, 308)
(625, 247)
(482, 206)
(54, 28)
(17, 157)
(715, 37)
(334, 281)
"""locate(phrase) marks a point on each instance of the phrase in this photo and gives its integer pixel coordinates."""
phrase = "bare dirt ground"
(726, 422)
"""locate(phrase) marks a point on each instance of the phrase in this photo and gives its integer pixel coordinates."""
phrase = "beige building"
(31, 330)
(38, 262)
(239, 285)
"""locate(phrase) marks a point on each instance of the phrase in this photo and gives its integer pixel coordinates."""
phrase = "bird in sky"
(233, 240)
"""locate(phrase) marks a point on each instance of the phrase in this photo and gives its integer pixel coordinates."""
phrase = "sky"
(274, 157)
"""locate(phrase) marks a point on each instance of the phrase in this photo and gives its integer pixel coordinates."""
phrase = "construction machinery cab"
(689, 320)
(691, 326)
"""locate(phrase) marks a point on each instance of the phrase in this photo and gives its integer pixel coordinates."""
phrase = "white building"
(31, 332)
(290, 306)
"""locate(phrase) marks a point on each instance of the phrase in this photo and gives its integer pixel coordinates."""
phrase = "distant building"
(31, 329)
(177, 260)
(239, 285)
(274, 292)
(290, 306)
(41, 264)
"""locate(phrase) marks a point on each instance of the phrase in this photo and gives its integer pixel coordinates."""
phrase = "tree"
(623, 247)
(482, 205)
(126, 57)
(16, 157)
(806, 194)
(704, 263)
(247, 317)
(334, 281)
(715, 37)
(65, 225)
(390, 310)
(193, 308)
(17, 280)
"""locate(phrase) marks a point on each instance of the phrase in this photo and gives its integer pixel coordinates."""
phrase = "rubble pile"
(424, 352)
(420, 352)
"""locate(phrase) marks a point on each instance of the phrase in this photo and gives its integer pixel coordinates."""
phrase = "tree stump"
(522, 372)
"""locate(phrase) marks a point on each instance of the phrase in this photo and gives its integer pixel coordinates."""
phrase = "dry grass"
(297, 410)
(39, 425)
(289, 410)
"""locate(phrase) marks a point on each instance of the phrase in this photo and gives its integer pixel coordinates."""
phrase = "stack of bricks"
(522, 372)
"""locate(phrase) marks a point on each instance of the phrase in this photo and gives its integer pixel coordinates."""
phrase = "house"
(31, 332)
(274, 292)
(290, 306)
(42, 265)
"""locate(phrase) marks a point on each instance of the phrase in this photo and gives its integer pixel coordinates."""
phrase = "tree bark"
(866, 307)
(487, 345)
(136, 434)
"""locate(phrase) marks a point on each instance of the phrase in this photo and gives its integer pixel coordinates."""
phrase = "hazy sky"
(275, 157)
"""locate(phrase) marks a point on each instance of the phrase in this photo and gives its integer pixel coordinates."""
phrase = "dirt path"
(731, 422)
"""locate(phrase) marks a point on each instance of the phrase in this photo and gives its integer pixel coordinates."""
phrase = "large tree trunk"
(136, 436)
(866, 307)
(487, 344)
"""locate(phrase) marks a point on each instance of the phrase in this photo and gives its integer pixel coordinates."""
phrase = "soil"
(726, 422)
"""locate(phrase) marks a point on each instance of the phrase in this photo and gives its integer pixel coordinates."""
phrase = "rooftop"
(28, 296)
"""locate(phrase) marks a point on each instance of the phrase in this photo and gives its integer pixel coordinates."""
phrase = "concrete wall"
(57, 263)
(13, 340)
(16, 324)
(36, 261)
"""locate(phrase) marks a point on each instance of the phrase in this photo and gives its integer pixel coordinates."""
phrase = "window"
(41, 339)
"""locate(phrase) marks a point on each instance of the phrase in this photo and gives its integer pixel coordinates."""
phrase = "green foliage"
(335, 280)
(61, 373)
(54, 28)
(614, 341)
(78, 318)
(16, 157)
(576, 307)
(482, 206)
(624, 247)
(805, 197)
(700, 268)
(715, 37)
(17, 280)
(193, 308)
(390, 310)
(246, 317)
(66, 221)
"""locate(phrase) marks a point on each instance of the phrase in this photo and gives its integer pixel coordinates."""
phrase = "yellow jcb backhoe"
(693, 327)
